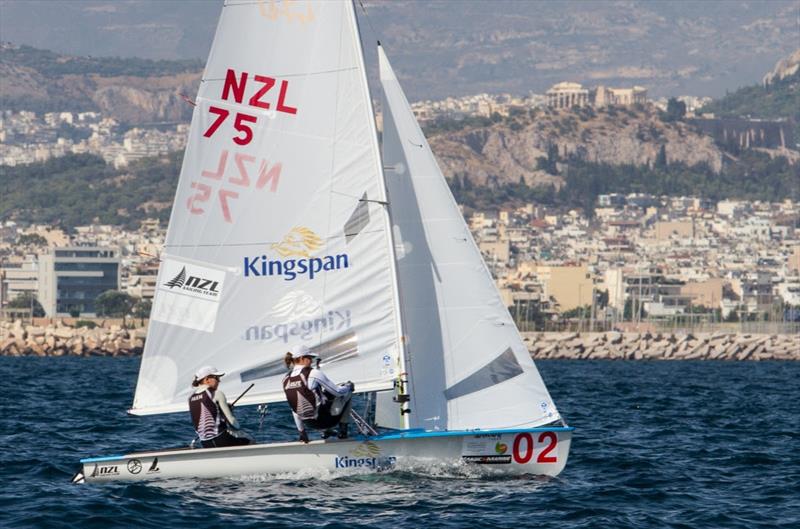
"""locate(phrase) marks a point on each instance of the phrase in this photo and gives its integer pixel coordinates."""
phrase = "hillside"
(133, 91)
(80, 189)
(777, 97)
(511, 149)
(687, 47)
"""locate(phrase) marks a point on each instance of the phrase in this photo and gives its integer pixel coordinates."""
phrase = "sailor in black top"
(212, 417)
(315, 400)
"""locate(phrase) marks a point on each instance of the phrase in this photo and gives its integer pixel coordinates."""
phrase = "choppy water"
(662, 444)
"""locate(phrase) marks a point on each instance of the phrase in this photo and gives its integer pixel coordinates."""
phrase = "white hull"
(539, 451)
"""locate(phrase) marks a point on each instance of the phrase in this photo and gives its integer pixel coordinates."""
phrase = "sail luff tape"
(232, 269)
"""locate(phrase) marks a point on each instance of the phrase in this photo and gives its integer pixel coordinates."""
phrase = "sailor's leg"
(225, 439)
(344, 418)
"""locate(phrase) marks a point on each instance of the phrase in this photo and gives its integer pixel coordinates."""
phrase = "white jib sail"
(276, 238)
(467, 363)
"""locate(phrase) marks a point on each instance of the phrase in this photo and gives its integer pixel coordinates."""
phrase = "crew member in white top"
(316, 401)
(212, 417)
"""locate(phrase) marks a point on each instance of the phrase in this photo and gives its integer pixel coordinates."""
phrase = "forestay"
(467, 363)
(279, 234)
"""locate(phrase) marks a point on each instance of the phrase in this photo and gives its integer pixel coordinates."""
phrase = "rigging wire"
(369, 22)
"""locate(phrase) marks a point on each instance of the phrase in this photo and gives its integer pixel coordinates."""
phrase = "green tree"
(661, 159)
(676, 110)
(141, 309)
(27, 300)
(578, 312)
(31, 238)
(114, 304)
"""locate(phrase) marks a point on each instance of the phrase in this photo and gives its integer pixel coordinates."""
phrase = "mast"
(402, 378)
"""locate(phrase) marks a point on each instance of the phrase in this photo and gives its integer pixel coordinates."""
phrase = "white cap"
(301, 350)
(206, 371)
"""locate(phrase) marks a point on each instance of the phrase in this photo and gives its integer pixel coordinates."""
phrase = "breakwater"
(58, 339)
(663, 346)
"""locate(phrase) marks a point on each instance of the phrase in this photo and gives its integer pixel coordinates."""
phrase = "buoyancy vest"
(304, 401)
(209, 421)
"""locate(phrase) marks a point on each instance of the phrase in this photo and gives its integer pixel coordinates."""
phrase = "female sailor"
(211, 415)
(315, 400)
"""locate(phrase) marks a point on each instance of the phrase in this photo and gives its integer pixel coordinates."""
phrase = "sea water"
(657, 444)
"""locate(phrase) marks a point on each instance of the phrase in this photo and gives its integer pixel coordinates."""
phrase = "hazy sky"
(451, 47)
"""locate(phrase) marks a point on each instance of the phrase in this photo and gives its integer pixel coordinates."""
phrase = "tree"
(114, 304)
(27, 300)
(141, 309)
(676, 110)
(661, 159)
(578, 312)
(32, 238)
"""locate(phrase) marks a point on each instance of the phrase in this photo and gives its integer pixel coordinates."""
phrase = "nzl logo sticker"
(193, 280)
(108, 470)
(195, 283)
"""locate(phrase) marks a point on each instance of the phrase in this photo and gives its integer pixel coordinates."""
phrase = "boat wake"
(401, 471)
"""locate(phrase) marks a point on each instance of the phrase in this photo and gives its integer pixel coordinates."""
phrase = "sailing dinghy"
(290, 227)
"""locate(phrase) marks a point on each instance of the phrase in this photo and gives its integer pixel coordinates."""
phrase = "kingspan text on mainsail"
(289, 269)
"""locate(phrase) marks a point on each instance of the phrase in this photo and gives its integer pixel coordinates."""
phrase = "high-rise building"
(71, 278)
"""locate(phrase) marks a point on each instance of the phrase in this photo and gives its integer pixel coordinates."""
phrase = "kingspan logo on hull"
(364, 462)
(300, 242)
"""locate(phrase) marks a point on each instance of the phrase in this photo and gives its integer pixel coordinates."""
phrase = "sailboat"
(290, 226)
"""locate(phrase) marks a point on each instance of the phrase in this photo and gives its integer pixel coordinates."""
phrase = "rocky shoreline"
(663, 346)
(58, 339)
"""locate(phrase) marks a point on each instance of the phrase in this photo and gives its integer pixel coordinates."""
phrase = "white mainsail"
(468, 367)
(279, 233)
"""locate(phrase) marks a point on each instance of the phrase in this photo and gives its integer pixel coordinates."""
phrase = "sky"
(457, 47)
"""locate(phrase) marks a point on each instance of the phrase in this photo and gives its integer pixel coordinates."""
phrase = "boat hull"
(538, 451)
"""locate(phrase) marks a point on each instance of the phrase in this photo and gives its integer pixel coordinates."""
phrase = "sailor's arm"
(298, 422)
(222, 402)
(318, 378)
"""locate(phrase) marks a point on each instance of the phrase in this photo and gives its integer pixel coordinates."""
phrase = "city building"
(18, 276)
(569, 286)
(605, 96)
(567, 95)
(72, 277)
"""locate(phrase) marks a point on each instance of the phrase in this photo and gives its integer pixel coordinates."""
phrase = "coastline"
(57, 338)
(726, 346)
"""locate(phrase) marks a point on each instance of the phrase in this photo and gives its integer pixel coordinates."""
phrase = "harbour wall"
(663, 346)
(58, 339)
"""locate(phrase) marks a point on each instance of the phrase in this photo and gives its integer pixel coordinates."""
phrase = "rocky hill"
(513, 149)
(784, 68)
(133, 91)
(778, 97)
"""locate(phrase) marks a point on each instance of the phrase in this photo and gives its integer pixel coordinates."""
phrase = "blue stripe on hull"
(99, 459)
(417, 434)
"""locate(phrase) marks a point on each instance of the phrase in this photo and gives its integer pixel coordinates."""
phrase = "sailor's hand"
(351, 386)
(303, 436)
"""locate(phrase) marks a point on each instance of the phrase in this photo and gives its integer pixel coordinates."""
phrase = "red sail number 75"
(240, 124)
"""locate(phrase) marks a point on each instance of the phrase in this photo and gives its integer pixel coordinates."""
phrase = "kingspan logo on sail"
(299, 244)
